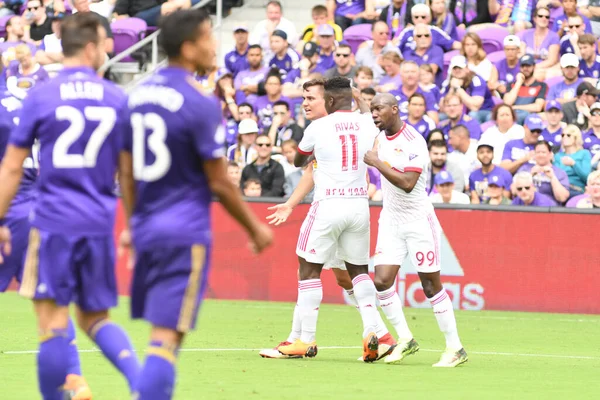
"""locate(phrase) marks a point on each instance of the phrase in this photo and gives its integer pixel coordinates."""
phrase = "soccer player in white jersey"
(408, 226)
(314, 107)
(339, 216)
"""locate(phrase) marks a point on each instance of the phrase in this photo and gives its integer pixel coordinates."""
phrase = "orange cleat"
(299, 348)
(76, 388)
(387, 344)
(275, 353)
(370, 348)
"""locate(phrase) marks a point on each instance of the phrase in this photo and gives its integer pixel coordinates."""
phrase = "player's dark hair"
(77, 30)
(338, 94)
(369, 91)
(416, 96)
(179, 27)
(337, 84)
(437, 143)
(254, 46)
(248, 182)
(246, 105)
(282, 103)
(345, 46)
(545, 144)
(461, 128)
(314, 82)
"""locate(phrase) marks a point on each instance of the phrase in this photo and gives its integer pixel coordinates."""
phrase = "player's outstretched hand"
(371, 158)
(261, 238)
(281, 214)
(4, 243)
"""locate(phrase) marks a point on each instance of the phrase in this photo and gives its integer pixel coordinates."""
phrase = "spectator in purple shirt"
(326, 35)
(526, 193)
(284, 57)
(541, 42)
(589, 65)
(562, 23)
(481, 178)
(554, 125)
(264, 104)
(247, 80)
(521, 151)
(421, 14)
(425, 52)
(235, 60)
(25, 74)
(15, 35)
(416, 116)
(443, 19)
(565, 91)
(477, 61)
(547, 178)
(576, 28)
(591, 138)
(352, 12)
(454, 109)
(508, 67)
(470, 87)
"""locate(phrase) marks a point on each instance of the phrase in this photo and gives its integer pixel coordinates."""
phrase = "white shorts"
(335, 263)
(336, 224)
(420, 240)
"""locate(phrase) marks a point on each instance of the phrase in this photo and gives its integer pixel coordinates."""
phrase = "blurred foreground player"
(70, 255)
(314, 108)
(408, 226)
(338, 219)
(172, 163)
(17, 221)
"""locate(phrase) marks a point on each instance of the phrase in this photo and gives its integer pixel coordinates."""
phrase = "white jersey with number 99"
(339, 142)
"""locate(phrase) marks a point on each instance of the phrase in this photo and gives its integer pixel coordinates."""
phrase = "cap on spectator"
(595, 106)
(222, 73)
(553, 105)
(527, 59)
(587, 88)
(443, 177)
(247, 126)
(325, 30)
(458, 61)
(310, 49)
(280, 33)
(496, 180)
(512, 40)
(534, 122)
(242, 28)
(485, 143)
(569, 60)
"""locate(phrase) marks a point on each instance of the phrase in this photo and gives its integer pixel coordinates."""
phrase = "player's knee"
(383, 282)
(428, 288)
(88, 320)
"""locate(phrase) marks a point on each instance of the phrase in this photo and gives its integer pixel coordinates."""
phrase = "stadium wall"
(544, 260)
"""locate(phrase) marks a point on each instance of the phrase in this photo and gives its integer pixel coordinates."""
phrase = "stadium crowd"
(505, 92)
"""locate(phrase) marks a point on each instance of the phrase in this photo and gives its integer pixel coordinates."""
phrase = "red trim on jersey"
(397, 170)
(395, 135)
(413, 169)
(305, 153)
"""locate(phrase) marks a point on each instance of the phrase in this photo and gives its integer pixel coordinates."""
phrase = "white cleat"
(402, 350)
(452, 358)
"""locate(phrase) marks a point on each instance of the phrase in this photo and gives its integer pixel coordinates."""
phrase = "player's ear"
(395, 109)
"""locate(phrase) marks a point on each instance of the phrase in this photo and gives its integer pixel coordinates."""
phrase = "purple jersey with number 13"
(175, 129)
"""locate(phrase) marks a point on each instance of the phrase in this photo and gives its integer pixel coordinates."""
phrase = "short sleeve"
(125, 130)
(209, 134)
(543, 91)
(507, 154)
(478, 86)
(24, 133)
(307, 145)
(437, 56)
(552, 93)
(414, 157)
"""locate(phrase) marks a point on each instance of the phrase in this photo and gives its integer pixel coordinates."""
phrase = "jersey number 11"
(349, 151)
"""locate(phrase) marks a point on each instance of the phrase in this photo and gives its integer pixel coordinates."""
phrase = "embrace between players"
(335, 233)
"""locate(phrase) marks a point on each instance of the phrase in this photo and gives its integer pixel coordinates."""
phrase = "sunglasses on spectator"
(543, 16)
(342, 55)
(520, 189)
(32, 8)
(419, 16)
(574, 26)
(595, 113)
(263, 144)
(566, 134)
(426, 35)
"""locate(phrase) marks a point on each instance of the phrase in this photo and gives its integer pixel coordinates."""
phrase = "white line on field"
(484, 353)
(469, 314)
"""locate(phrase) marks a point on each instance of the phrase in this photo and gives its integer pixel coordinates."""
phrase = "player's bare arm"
(362, 105)
(230, 197)
(402, 180)
(127, 183)
(284, 210)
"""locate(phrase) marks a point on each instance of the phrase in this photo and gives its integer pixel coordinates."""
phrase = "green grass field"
(512, 356)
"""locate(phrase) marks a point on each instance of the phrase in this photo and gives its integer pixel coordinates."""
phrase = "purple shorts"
(169, 284)
(66, 268)
(13, 264)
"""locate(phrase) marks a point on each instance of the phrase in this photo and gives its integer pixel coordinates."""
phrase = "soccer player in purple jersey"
(70, 256)
(172, 163)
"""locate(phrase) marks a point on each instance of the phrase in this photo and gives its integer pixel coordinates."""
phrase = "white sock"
(310, 295)
(444, 313)
(366, 297)
(381, 330)
(390, 303)
(296, 326)
(352, 298)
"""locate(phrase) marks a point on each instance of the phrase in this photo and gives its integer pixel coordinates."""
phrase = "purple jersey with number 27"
(77, 118)
(174, 130)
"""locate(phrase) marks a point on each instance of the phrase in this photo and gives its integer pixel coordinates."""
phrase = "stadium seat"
(126, 33)
(554, 14)
(493, 38)
(486, 125)
(357, 34)
(3, 22)
(496, 57)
